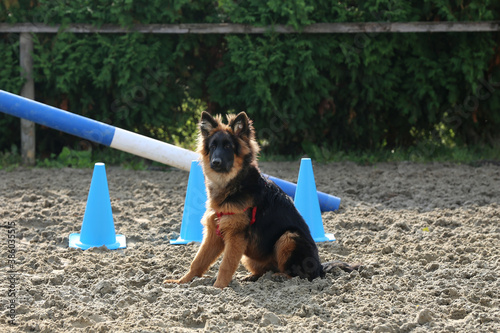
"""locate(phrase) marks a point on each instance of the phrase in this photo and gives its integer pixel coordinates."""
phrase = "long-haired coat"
(248, 219)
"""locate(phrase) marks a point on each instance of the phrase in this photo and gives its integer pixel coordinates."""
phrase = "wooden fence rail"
(26, 43)
(229, 28)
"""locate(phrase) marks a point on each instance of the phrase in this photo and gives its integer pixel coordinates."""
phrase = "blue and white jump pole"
(121, 139)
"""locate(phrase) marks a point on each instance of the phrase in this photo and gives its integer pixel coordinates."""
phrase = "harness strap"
(221, 214)
(254, 212)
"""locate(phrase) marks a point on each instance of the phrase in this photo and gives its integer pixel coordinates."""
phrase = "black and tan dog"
(248, 217)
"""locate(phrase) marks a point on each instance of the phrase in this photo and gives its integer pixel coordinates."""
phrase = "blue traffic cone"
(194, 207)
(98, 228)
(307, 203)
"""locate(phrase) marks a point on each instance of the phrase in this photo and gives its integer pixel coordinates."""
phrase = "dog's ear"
(207, 123)
(240, 125)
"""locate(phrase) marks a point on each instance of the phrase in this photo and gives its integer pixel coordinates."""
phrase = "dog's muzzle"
(216, 164)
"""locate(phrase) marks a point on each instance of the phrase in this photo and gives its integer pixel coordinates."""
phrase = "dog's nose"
(216, 162)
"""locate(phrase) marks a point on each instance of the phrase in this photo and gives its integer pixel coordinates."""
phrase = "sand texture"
(427, 234)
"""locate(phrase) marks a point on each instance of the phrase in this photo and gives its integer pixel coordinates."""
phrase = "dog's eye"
(227, 146)
(212, 146)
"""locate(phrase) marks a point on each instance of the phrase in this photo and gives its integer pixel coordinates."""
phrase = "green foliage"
(357, 91)
(320, 94)
(10, 80)
(68, 158)
(422, 153)
(10, 159)
(144, 83)
(78, 158)
(74, 158)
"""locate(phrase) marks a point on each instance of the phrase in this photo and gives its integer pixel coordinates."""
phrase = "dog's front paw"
(185, 279)
(221, 285)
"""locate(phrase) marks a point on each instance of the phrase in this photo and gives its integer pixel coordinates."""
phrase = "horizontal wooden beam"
(229, 28)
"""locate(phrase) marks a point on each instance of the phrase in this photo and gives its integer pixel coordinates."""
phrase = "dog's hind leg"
(297, 256)
(257, 268)
(283, 249)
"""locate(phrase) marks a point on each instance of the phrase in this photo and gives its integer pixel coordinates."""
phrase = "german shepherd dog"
(248, 217)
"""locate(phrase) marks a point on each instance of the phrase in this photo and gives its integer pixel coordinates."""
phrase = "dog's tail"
(329, 266)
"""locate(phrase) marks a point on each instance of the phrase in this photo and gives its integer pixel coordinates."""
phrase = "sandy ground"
(428, 235)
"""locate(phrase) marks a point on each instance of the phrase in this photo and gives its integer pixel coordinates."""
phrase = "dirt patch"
(428, 235)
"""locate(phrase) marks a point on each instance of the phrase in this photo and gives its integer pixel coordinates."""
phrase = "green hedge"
(10, 80)
(340, 91)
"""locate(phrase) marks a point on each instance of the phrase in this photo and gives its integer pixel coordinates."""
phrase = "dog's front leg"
(233, 252)
(210, 249)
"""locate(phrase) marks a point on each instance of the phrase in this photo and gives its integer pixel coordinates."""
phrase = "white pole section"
(152, 149)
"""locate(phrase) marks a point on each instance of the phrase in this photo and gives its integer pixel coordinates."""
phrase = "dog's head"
(226, 149)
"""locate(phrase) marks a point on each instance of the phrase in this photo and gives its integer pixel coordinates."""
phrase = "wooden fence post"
(28, 91)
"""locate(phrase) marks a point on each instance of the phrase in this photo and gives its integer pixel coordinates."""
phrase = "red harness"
(220, 214)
